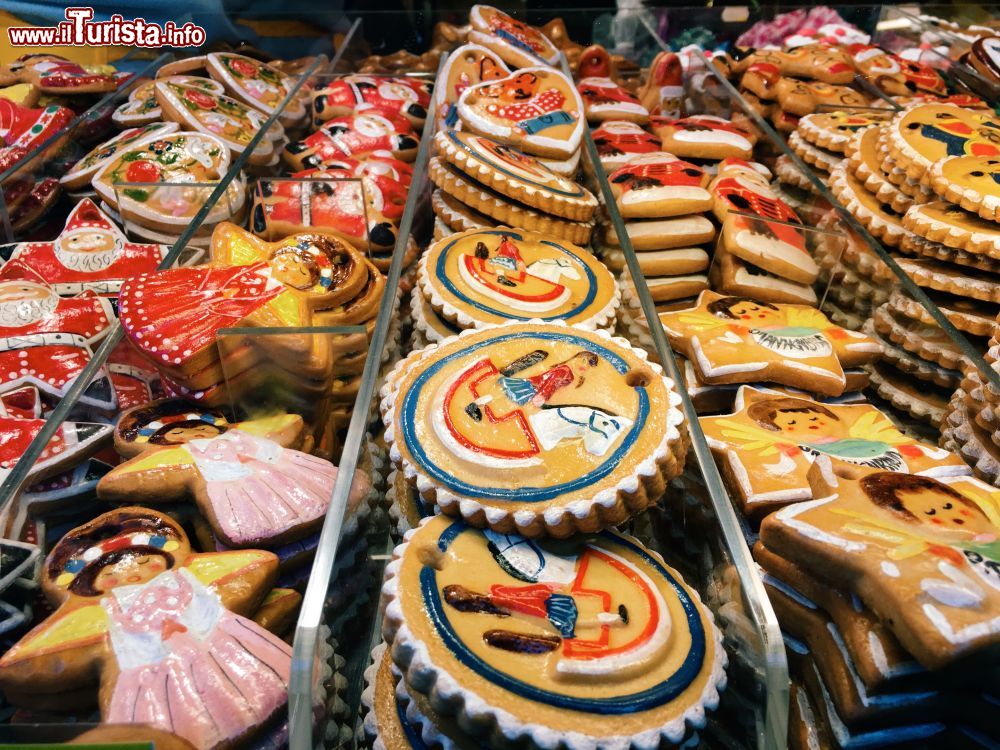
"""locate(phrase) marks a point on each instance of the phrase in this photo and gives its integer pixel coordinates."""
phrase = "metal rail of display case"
(822, 189)
(12, 484)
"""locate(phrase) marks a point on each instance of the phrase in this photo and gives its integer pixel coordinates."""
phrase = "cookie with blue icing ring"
(538, 428)
(487, 276)
(593, 640)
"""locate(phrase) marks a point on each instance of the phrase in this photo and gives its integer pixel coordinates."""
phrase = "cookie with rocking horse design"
(537, 110)
(919, 136)
(534, 427)
(136, 607)
(256, 84)
(488, 276)
(468, 65)
(517, 43)
(741, 340)
(769, 442)
(549, 638)
(515, 175)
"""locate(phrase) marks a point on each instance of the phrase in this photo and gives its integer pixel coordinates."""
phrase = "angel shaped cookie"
(159, 634)
(741, 340)
(766, 446)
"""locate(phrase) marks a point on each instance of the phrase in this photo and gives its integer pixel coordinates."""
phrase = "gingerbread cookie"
(734, 276)
(529, 657)
(663, 92)
(23, 129)
(984, 56)
(969, 316)
(141, 107)
(537, 110)
(703, 137)
(400, 96)
(578, 413)
(618, 142)
(662, 234)
(834, 130)
(91, 253)
(257, 85)
(895, 75)
(823, 160)
(945, 277)
(517, 43)
(515, 175)
(852, 537)
(81, 173)
(950, 225)
(56, 76)
(805, 97)
(455, 215)
(739, 340)
(969, 182)
(919, 136)
(880, 219)
(928, 341)
(135, 606)
(487, 276)
(863, 162)
(681, 261)
(603, 99)
(468, 65)
(353, 137)
(659, 186)
(816, 62)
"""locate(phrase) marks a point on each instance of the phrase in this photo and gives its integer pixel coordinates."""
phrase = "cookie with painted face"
(970, 182)
(603, 99)
(659, 185)
(919, 136)
(950, 225)
(740, 340)
(759, 227)
(852, 535)
(400, 96)
(834, 130)
(354, 137)
(56, 76)
(515, 42)
(233, 123)
(515, 175)
(618, 142)
(805, 97)
(816, 62)
(703, 137)
(471, 418)
(468, 65)
(769, 442)
(256, 84)
(651, 641)
(537, 110)
(488, 276)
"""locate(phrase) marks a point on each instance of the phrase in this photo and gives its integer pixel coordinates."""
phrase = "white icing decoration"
(890, 569)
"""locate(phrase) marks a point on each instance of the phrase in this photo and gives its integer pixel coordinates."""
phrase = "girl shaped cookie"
(468, 65)
(353, 137)
(537, 110)
(161, 631)
(248, 480)
(391, 96)
(256, 84)
(517, 43)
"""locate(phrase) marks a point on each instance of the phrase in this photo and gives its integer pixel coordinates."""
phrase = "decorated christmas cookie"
(517, 43)
(659, 185)
(816, 62)
(534, 427)
(537, 110)
(248, 480)
(353, 137)
(799, 98)
(165, 163)
(515, 175)
(603, 99)
(551, 639)
(402, 96)
(919, 136)
(52, 74)
(141, 107)
(740, 340)
(834, 130)
(703, 137)
(256, 84)
(663, 92)
(80, 174)
(23, 129)
(46, 341)
(233, 123)
(29, 200)
(969, 181)
(920, 552)
(880, 219)
(468, 65)
(950, 225)
(489, 276)
(767, 445)
(769, 238)
(618, 142)
(895, 75)
(91, 253)
(135, 608)
(984, 56)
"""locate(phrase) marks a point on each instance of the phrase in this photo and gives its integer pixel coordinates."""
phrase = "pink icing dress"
(190, 666)
(258, 489)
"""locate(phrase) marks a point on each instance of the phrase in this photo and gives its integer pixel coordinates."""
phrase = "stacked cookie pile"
(971, 427)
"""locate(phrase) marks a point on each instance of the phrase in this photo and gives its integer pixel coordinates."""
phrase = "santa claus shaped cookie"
(655, 186)
(894, 75)
(401, 96)
(537, 110)
(90, 254)
(618, 142)
(52, 74)
(703, 137)
(468, 65)
(256, 84)
(353, 137)
(23, 129)
(517, 43)
(46, 341)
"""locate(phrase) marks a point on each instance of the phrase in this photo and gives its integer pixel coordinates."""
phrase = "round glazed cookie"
(517, 43)
(919, 136)
(487, 276)
(969, 181)
(595, 642)
(878, 218)
(515, 175)
(950, 225)
(534, 427)
(833, 130)
(456, 215)
(863, 163)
